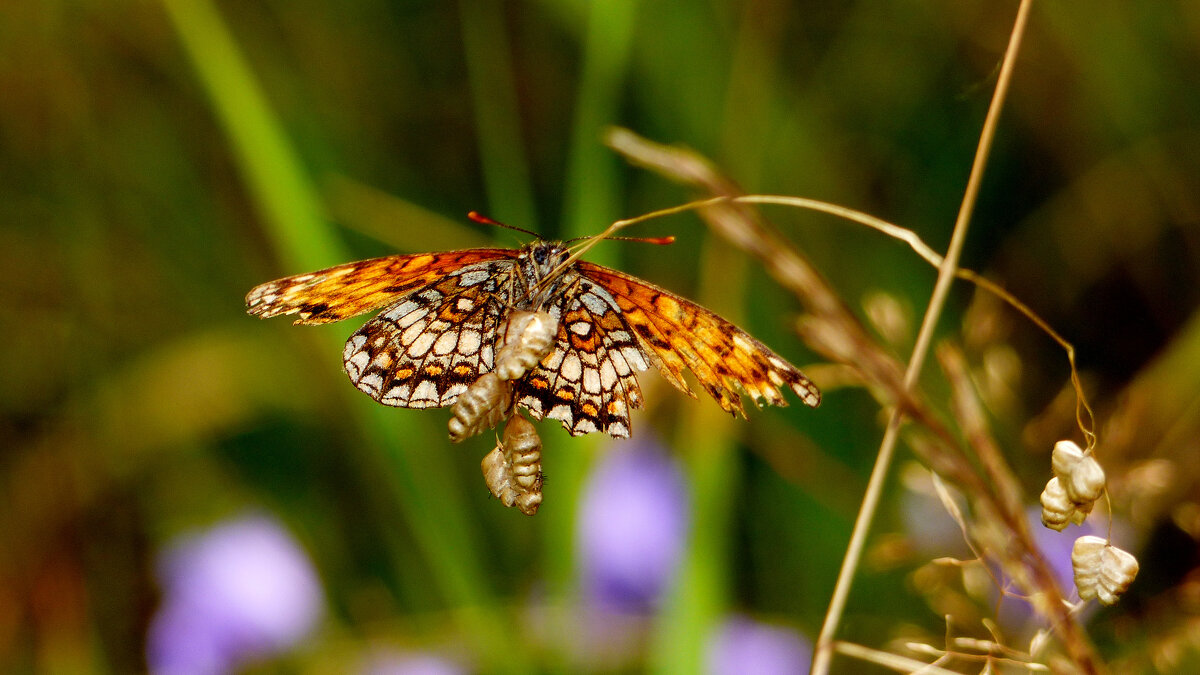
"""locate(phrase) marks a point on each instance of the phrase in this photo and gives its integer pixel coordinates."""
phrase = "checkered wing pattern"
(438, 333)
(680, 334)
(355, 288)
(589, 381)
(425, 350)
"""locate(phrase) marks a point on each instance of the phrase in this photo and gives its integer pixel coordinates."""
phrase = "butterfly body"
(443, 312)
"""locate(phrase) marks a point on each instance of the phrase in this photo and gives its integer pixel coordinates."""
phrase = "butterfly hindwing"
(589, 381)
(425, 350)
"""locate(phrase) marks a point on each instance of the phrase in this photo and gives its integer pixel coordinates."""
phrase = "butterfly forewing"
(354, 288)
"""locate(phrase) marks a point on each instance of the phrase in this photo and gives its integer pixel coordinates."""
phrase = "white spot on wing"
(397, 395)
(553, 360)
(371, 383)
(356, 364)
(473, 277)
(608, 375)
(533, 404)
(591, 380)
(594, 303)
(635, 358)
(468, 342)
(619, 363)
(426, 391)
(571, 368)
(410, 334)
(421, 345)
(411, 317)
(382, 360)
(446, 343)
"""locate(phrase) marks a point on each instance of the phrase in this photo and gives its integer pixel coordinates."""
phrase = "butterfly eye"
(539, 256)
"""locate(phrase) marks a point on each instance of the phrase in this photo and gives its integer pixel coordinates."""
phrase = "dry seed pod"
(528, 502)
(523, 451)
(1102, 571)
(528, 337)
(1057, 508)
(523, 448)
(513, 469)
(1080, 473)
(1082, 511)
(487, 401)
(498, 477)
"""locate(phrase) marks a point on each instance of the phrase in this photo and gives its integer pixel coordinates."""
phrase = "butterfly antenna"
(659, 241)
(480, 218)
(586, 243)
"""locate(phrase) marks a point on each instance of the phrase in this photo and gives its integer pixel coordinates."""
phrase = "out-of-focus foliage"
(158, 159)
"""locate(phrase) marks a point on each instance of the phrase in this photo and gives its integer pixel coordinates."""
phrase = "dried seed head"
(890, 317)
(527, 338)
(1102, 571)
(523, 448)
(1086, 481)
(528, 502)
(1065, 455)
(487, 401)
(497, 476)
(1082, 511)
(1057, 508)
(513, 469)
(1080, 473)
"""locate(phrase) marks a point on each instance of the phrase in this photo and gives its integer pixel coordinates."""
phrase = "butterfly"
(442, 313)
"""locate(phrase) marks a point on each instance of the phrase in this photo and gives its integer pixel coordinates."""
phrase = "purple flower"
(742, 645)
(239, 591)
(633, 521)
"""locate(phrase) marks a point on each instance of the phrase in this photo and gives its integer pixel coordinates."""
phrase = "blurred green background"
(158, 159)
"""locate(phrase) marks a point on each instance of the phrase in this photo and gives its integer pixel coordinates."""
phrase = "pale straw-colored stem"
(823, 654)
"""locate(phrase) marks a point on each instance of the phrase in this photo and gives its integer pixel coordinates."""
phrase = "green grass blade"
(419, 475)
(493, 97)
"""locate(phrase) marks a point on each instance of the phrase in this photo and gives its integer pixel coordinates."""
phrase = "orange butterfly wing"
(351, 289)
(682, 334)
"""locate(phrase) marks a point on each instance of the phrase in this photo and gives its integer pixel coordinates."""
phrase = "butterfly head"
(541, 264)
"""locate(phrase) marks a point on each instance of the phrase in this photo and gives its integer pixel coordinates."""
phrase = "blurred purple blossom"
(632, 527)
(239, 591)
(743, 645)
